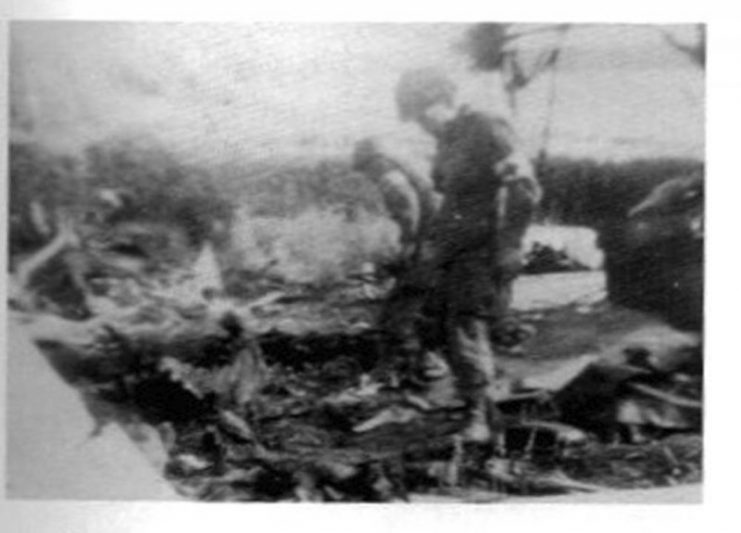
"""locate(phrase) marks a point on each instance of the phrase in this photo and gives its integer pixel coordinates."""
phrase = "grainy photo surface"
(355, 262)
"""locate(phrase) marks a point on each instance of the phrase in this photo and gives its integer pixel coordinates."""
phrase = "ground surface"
(321, 346)
(322, 430)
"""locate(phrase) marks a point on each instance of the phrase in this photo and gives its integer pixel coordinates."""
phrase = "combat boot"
(484, 423)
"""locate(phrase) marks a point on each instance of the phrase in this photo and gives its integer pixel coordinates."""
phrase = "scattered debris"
(544, 259)
(254, 403)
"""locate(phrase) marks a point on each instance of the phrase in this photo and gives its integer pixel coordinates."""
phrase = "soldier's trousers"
(468, 296)
(449, 308)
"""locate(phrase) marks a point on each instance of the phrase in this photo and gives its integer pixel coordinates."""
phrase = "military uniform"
(463, 282)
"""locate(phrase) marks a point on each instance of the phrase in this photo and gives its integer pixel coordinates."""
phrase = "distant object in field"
(544, 259)
(550, 249)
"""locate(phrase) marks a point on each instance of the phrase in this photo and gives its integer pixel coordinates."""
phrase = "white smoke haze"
(234, 92)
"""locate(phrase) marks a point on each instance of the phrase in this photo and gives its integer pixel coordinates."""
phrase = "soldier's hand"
(517, 171)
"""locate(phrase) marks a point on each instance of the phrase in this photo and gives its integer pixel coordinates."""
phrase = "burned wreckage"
(275, 395)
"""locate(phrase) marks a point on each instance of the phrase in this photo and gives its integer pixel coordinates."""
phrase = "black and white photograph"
(355, 262)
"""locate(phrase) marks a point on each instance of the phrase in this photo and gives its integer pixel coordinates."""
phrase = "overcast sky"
(219, 91)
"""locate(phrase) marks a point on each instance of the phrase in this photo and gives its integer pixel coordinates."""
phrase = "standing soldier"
(462, 283)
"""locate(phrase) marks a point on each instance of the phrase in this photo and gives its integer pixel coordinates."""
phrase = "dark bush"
(154, 185)
(158, 187)
(589, 193)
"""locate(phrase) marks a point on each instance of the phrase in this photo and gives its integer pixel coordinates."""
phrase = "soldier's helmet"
(418, 89)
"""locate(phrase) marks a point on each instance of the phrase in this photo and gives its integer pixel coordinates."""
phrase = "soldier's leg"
(403, 319)
(470, 354)
(473, 363)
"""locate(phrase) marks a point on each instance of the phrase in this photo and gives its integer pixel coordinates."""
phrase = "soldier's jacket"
(489, 189)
